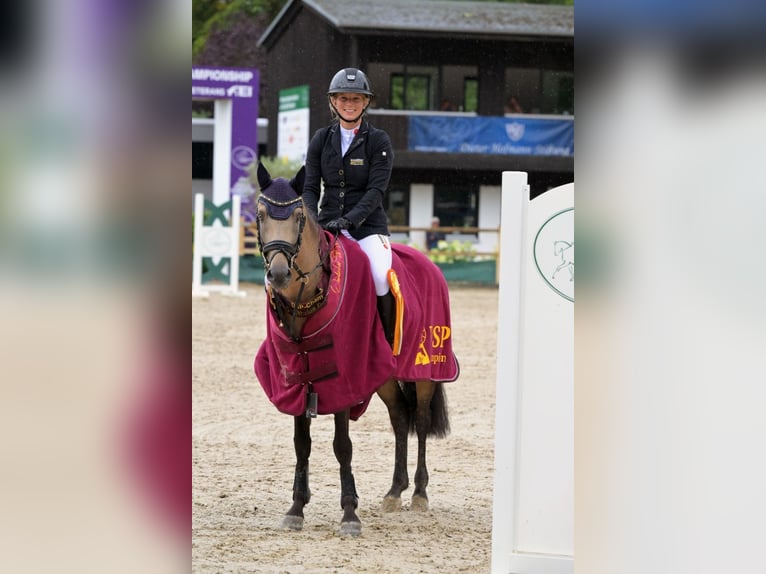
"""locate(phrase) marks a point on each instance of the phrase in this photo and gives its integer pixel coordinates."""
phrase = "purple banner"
(240, 85)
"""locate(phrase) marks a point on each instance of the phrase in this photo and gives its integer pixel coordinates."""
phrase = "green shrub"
(454, 251)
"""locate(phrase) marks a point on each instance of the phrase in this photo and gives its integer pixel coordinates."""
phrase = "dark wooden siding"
(310, 51)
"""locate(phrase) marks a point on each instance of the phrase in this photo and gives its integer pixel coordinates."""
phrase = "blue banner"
(492, 135)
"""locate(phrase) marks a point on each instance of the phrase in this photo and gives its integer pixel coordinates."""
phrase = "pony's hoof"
(350, 528)
(419, 503)
(391, 504)
(292, 522)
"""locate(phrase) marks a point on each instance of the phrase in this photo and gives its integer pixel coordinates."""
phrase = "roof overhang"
(432, 18)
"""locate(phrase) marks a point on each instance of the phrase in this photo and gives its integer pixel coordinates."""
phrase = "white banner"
(293, 123)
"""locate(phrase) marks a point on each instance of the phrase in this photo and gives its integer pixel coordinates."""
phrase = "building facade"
(449, 66)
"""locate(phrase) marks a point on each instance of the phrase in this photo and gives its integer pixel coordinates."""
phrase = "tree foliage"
(224, 32)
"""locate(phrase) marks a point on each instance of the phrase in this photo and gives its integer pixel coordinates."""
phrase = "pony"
(326, 352)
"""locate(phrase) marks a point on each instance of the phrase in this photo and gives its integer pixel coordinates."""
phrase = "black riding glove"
(335, 225)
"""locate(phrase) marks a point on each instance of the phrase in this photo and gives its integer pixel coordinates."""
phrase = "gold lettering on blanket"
(439, 335)
(336, 263)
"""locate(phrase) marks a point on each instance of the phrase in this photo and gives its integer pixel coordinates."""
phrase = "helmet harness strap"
(356, 119)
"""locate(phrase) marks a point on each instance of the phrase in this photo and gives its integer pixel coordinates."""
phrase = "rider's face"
(349, 105)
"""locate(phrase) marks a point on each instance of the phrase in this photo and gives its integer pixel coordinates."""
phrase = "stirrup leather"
(393, 283)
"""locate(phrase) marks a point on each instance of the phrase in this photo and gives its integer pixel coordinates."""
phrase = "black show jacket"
(354, 184)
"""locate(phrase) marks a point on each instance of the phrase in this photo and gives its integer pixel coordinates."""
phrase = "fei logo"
(240, 91)
(242, 156)
(439, 334)
(554, 253)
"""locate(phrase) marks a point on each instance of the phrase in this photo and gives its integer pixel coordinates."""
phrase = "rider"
(354, 160)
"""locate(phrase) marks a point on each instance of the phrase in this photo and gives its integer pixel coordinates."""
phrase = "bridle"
(290, 252)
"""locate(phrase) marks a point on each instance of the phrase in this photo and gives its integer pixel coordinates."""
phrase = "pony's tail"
(439, 427)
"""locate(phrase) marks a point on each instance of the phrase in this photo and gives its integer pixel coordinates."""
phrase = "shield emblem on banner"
(514, 131)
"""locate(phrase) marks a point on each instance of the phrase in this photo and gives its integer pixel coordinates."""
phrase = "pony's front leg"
(341, 444)
(301, 493)
(398, 412)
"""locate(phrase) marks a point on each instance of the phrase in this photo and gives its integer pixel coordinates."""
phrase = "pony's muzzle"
(278, 257)
(278, 271)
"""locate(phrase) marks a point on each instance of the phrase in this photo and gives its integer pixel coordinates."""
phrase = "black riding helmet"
(350, 80)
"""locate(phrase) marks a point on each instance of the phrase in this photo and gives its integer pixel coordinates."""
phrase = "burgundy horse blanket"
(343, 352)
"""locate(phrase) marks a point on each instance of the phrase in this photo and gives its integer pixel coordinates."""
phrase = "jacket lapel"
(335, 138)
(360, 137)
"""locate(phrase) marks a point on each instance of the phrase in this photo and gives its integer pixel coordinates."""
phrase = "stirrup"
(393, 283)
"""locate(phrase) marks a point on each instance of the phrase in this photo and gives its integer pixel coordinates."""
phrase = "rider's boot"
(387, 312)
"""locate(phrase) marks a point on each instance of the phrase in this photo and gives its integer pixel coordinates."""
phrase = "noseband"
(289, 250)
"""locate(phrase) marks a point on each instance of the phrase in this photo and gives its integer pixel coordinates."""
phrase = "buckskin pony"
(325, 350)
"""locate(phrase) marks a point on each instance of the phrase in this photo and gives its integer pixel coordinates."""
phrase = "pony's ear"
(297, 182)
(264, 178)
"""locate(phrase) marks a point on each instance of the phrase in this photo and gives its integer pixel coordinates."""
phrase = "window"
(456, 205)
(558, 92)
(398, 206)
(524, 85)
(202, 160)
(410, 92)
(471, 94)
(566, 95)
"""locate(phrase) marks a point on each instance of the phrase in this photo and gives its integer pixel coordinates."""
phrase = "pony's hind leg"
(293, 520)
(341, 444)
(424, 392)
(398, 411)
(431, 420)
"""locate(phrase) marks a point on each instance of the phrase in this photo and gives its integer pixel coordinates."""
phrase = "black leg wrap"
(301, 486)
(348, 488)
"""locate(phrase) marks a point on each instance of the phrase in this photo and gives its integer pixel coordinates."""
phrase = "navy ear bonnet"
(279, 195)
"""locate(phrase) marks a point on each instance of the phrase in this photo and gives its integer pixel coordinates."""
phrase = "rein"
(298, 309)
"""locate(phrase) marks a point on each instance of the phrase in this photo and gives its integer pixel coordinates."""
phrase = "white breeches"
(378, 251)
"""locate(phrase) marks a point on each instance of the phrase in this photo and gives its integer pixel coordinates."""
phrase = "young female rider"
(354, 161)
